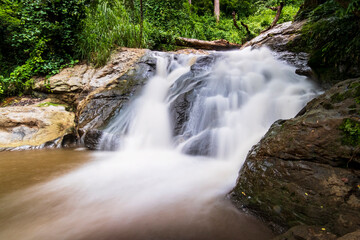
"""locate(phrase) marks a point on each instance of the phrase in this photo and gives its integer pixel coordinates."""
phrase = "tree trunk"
(234, 21)
(190, 2)
(242, 24)
(278, 10)
(207, 45)
(217, 10)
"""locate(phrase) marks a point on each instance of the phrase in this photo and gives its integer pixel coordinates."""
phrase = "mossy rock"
(306, 170)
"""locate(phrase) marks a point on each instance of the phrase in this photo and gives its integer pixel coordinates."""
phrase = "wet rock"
(204, 63)
(186, 93)
(180, 107)
(303, 232)
(99, 107)
(200, 145)
(92, 139)
(306, 170)
(39, 125)
(179, 112)
(69, 141)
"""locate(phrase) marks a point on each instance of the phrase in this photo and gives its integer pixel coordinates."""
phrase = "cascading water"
(181, 145)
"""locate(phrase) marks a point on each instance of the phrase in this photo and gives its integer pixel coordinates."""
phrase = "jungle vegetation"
(40, 37)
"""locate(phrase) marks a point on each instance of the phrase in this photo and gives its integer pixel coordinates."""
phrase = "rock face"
(306, 233)
(351, 236)
(33, 126)
(278, 39)
(97, 109)
(306, 170)
(180, 106)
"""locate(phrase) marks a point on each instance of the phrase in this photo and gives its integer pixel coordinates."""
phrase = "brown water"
(58, 195)
(21, 169)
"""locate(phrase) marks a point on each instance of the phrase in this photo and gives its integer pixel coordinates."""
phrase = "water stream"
(178, 149)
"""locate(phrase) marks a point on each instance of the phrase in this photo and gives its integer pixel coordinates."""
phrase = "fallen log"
(207, 45)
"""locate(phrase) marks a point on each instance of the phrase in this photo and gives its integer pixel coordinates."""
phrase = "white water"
(149, 189)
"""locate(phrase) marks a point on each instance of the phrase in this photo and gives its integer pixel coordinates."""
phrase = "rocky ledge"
(306, 170)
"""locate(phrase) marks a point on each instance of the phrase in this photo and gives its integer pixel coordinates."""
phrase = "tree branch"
(277, 16)
(234, 20)
(248, 33)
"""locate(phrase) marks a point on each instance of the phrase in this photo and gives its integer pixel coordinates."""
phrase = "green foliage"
(334, 37)
(165, 13)
(47, 104)
(37, 38)
(354, 6)
(351, 130)
(106, 27)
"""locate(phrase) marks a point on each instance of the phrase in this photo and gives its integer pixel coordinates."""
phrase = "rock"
(100, 106)
(201, 145)
(303, 232)
(92, 138)
(69, 141)
(278, 39)
(306, 170)
(204, 63)
(351, 236)
(186, 93)
(42, 124)
(72, 84)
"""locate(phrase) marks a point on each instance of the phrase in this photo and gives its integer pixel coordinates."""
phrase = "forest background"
(40, 37)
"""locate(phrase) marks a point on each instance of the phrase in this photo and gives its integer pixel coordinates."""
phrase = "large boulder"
(306, 170)
(34, 126)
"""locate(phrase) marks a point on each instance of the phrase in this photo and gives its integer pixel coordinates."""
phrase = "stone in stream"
(306, 170)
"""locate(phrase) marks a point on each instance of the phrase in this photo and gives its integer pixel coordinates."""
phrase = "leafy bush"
(107, 26)
(351, 130)
(38, 38)
(334, 36)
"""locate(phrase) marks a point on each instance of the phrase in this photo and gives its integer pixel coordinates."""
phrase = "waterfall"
(180, 145)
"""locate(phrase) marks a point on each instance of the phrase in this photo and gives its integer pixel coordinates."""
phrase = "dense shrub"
(39, 37)
(107, 26)
(333, 33)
